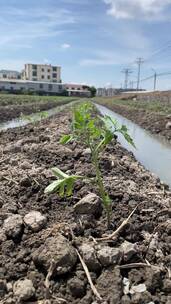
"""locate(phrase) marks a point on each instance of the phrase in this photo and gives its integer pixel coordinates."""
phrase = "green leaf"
(65, 139)
(54, 186)
(69, 186)
(57, 172)
(64, 184)
(128, 138)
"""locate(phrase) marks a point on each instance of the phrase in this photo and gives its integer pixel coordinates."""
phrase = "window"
(43, 77)
(72, 88)
(48, 77)
(60, 87)
(12, 82)
(41, 85)
(34, 73)
(43, 70)
(54, 75)
(4, 76)
(50, 87)
(48, 70)
(34, 79)
(54, 69)
(34, 67)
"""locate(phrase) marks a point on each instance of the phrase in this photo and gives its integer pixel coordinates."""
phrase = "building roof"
(44, 64)
(9, 71)
(29, 81)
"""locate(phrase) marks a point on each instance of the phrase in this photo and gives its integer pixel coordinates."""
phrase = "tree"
(93, 91)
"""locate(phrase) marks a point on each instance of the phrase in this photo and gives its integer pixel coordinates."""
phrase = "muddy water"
(151, 151)
(24, 120)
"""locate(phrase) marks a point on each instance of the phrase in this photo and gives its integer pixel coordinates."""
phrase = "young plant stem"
(101, 187)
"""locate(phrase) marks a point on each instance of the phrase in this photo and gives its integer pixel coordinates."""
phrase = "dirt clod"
(90, 204)
(56, 249)
(13, 226)
(23, 289)
(35, 220)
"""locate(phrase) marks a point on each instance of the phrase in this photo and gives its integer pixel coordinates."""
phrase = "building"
(107, 92)
(26, 86)
(9, 74)
(42, 72)
(78, 90)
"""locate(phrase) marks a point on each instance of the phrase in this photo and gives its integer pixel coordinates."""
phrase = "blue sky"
(93, 40)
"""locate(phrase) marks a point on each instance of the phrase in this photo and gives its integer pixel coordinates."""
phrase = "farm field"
(154, 116)
(12, 106)
(132, 267)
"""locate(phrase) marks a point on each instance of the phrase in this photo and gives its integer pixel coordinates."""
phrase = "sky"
(92, 40)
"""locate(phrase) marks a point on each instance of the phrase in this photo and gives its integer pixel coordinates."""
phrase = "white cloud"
(131, 9)
(107, 58)
(19, 27)
(65, 46)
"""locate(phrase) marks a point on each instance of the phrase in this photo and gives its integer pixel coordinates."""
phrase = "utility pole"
(127, 72)
(131, 84)
(155, 79)
(139, 61)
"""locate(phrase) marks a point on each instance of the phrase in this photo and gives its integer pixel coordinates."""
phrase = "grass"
(152, 106)
(11, 99)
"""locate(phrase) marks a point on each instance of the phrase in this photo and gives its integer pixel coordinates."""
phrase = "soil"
(9, 112)
(151, 121)
(27, 154)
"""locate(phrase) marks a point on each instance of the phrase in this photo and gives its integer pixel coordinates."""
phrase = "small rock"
(90, 204)
(153, 279)
(141, 297)
(9, 287)
(168, 125)
(168, 300)
(138, 288)
(2, 236)
(109, 285)
(35, 220)
(167, 285)
(76, 287)
(168, 226)
(89, 255)
(86, 152)
(109, 256)
(26, 165)
(126, 300)
(13, 226)
(10, 207)
(126, 284)
(58, 250)
(23, 289)
(3, 288)
(129, 250)
(25, 182)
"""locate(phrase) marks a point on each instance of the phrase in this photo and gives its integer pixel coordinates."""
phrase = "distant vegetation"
(11, 99)
(152, 106)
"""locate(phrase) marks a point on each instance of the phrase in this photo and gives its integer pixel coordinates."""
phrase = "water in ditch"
(25, 119)
(151, 151)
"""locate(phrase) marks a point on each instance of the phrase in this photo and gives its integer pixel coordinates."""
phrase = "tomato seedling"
(94, 132)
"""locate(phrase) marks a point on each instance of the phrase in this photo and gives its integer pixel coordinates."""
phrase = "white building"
(9, 74)
(19, 86)
(42, 72)
(81, 90)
